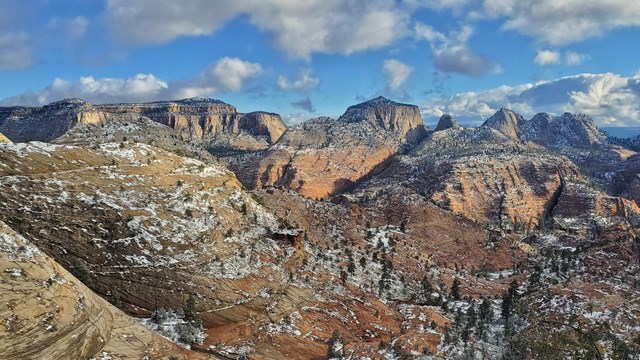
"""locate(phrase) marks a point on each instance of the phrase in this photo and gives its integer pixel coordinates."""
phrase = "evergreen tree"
(335, 346)
(190, 308)
(455, 289)
(508, 299)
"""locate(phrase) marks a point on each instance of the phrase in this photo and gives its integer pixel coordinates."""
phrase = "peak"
(505, 121)
(447, 122)
(379, 101)
(505, 114)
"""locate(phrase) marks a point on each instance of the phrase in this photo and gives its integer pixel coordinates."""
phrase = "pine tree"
(190, 308)
(455, 289)
(335, 346)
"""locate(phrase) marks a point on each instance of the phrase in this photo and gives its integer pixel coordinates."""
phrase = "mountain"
(568, 130)
(367, 234)
(505, 122)
(325, 156)
(447, 122)
(210, 122)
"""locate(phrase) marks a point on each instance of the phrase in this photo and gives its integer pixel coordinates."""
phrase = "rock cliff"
(566, 131)
(325, 156)
(210, 122)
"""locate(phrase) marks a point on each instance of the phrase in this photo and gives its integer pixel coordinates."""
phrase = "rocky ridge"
(324, 156)
(209, 122)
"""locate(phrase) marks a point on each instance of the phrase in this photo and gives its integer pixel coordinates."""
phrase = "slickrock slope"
(48, 314)
(325, 156)
(4, 138)
(209, 122)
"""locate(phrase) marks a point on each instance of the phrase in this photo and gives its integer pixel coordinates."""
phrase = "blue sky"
(310, 58)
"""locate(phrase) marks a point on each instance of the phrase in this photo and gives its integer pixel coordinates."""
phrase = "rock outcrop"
(447, 122)
(566, 131)
(387, 115)
(4, 138)
(216, 124)
(213, 123)
(506, 122)
(325, 156)
(49, 314)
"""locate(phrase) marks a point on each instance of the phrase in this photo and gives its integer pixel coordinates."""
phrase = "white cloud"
(396, 72)
(15, 52)
(295, 118)
(227, 74)
(547, 57)
(160, 21)
(611, 99)
(553, 57)
(300, 28)
(305, 82)
(452, 53)
(572, 58)
(560, 22)
(141, 87)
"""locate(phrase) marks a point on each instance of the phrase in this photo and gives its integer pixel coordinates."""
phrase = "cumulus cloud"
(547, 57)
(611, 99)
(560, 22)
(141, 87)
(396, 72)
(305, 82)
(227, 74)
(304, 104)
(15, 51)
(452, 53)
(295, 118)
(300, 28)
(553, 57)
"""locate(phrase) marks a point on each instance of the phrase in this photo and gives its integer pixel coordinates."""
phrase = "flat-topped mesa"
(505, 121)
(212, 122)
(567, 130)
(387, 115)
(447, 122)
(192, 106)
